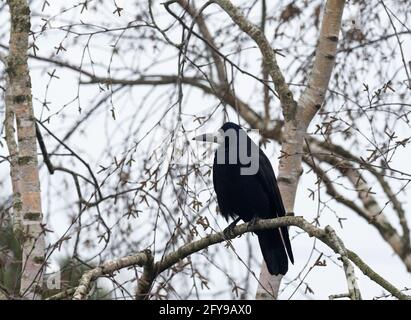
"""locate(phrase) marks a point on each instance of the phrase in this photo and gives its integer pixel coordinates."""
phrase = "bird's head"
(235, 148)
(221, 134)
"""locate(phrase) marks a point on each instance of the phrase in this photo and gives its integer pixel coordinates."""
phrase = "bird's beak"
(216, 137)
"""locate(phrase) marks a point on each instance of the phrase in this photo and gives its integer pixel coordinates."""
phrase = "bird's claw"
(253, 222)
(229, 231)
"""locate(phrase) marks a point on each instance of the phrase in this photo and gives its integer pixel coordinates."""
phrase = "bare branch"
(353, 289)
(109, 267)
(288, 103)
(371, 211)
(145, 259)
(366, 270)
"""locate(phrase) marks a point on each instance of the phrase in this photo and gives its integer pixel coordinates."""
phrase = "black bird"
(246, 189)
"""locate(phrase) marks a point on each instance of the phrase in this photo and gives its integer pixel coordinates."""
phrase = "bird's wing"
(220, 192)
(268, 180)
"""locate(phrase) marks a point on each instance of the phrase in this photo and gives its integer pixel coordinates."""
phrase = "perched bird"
(247, 189)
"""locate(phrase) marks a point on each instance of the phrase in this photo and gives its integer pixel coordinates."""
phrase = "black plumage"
(252, 196)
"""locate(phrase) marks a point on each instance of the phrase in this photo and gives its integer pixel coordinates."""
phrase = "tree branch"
(289, 105)
(144, 258)
(371, 211)
(353, 289)
(109, 267)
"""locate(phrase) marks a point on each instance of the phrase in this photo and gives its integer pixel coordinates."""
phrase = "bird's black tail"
(273, 251)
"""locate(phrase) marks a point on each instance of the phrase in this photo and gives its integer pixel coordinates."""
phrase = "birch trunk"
(21, 142)
(296, 124)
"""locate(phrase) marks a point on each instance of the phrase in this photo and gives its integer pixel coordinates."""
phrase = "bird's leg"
(253, 222)
(228, 231)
